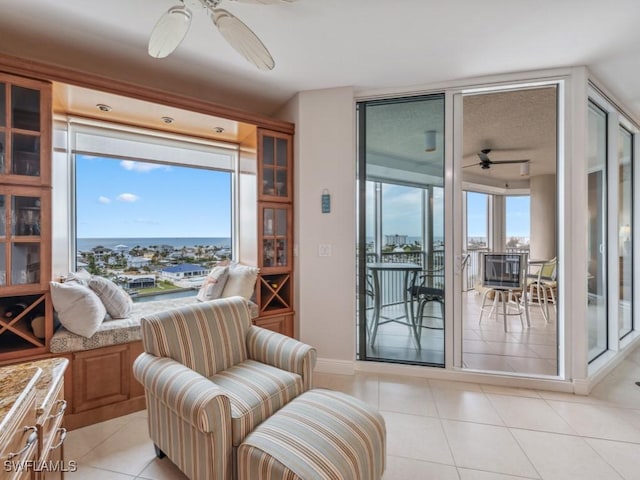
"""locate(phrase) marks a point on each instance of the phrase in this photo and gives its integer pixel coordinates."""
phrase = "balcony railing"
(392, 283)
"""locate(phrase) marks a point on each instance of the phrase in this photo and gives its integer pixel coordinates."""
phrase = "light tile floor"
(439, 430)
(486, 346)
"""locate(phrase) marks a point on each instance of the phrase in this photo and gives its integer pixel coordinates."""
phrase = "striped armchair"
(210, 377)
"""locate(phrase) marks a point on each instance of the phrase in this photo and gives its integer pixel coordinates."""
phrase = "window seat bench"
(124, 330)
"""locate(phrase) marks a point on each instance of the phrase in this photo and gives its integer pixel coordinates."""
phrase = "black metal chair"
(428, 286)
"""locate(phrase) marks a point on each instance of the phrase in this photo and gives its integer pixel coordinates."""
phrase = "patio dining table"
(409, 270)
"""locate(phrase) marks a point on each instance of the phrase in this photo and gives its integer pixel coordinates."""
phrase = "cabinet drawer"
(49, 423)
(21, 444)
(278, 323)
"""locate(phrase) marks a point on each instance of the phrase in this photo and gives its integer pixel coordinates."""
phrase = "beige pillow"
(79, 309)
(117, 302)
(81, 276)
(214, 284)
(241, 281)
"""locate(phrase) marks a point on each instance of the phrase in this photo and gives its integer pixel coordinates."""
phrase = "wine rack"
(275, 292)
(15, 331)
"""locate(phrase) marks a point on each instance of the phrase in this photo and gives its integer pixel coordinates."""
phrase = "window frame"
(66, 146)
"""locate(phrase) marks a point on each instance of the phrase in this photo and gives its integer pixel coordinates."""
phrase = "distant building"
(395, 239)
(138, 262)
(133, 282)
(180, 272)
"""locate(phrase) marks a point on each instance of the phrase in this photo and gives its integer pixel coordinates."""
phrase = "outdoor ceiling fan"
(485, 162)
(173, 26)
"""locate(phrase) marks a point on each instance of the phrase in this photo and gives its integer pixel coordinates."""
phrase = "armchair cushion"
(207, 337)
(255, 391)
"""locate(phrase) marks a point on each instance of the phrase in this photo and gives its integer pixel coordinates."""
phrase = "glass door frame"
(426, 227)
(616, 119)
(454, 218)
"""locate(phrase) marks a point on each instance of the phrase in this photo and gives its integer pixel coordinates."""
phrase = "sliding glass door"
(597, 288)
(625, 231)
(508, 173)
(401, 230)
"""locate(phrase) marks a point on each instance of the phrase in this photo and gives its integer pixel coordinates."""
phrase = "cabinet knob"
(62, 406)
(63, 434)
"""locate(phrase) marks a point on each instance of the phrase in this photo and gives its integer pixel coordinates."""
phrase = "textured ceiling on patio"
(515, 125)
(519, 124)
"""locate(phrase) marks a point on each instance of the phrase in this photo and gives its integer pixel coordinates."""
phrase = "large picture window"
(151, 211)
(153, 228)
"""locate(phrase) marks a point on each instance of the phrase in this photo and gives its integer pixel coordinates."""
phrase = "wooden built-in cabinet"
(98, 384)
(31, 419)
(275, 231)
(25, 216)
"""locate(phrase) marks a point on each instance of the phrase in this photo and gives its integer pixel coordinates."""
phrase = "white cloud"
(104, 200)
(140, 166)
(128, 197)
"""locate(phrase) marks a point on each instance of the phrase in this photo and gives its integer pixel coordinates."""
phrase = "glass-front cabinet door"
(24, 131)
(274, 166)
(276, 221)
(22, 212)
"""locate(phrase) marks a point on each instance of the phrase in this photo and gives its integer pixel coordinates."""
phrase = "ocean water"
(85, 244)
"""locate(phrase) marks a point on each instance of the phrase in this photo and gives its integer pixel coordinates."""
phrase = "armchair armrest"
(282, 352)
(190, 395)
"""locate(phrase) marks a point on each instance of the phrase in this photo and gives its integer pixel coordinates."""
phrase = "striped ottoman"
(319, 435)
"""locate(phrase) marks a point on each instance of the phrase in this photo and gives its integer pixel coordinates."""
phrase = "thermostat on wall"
(326, 201)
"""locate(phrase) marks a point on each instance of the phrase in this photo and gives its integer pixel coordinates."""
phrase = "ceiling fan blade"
(169, 31)
(472, 165)
(264, 2)
(483, 155)
(242, 39)
(496, 162)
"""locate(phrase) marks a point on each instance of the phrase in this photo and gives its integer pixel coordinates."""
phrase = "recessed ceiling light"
(167, 120)
(103, 107)
(219, 129)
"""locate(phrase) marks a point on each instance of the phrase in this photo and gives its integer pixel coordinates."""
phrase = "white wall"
(543, 217)
(324, 158)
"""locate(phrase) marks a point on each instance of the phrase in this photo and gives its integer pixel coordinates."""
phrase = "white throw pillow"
(117, 302)
(241, 281)
(214, 284)
(79, 309)
(81, 276)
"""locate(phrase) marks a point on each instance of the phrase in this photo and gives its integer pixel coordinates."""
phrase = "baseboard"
(89, 417)
(336, 367)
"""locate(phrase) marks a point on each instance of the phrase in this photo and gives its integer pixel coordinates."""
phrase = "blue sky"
(121, 198)
(517, 214)
(402, 205)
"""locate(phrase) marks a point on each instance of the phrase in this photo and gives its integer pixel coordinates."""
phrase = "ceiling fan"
(173, 26)
(485, 162)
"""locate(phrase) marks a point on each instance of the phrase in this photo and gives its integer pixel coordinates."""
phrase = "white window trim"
(66, 130)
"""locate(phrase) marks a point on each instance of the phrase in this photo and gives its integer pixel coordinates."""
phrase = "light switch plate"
(324, 250)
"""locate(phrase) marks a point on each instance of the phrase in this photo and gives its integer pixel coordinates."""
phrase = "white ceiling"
(328, 43)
